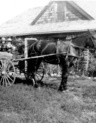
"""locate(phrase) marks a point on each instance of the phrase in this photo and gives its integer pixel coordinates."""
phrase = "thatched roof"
(21, 25)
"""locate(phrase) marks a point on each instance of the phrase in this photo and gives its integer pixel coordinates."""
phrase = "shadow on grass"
(52, 85)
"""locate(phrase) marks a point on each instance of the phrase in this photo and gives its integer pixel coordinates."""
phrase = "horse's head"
(86, 40)
(91, 42)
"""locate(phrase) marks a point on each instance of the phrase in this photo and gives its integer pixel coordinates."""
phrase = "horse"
(57, 52)
(86, 40)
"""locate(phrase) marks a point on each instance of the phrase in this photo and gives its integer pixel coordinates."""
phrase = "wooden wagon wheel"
(7, 72)
(39, 74)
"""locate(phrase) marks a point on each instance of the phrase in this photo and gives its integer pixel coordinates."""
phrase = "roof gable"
(60, 11)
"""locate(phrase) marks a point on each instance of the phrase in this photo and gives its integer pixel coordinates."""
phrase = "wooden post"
(86, 59)
(26, 54)
(87, 65)
(27, 40)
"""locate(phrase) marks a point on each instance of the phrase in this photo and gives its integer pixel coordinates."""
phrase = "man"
(10, 46)
(3, 45)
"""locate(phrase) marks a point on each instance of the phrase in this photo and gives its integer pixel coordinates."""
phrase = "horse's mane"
(82, 36)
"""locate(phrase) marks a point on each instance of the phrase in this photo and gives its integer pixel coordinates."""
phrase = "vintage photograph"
(48, 61)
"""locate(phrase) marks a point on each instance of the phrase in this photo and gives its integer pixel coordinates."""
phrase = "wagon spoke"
(7, 82)
(7, 72)
(3, 82)
(9, 77)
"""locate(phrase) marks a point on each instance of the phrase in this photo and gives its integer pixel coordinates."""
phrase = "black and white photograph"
(47, 61)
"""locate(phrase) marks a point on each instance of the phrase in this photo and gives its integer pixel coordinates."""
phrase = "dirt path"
(24, 104)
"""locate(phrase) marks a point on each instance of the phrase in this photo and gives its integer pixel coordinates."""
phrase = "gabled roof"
(22, 24)
(59, 6)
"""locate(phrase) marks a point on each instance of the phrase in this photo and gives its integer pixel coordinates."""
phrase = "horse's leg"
(30, 74)
(38, 62)
(64, 70)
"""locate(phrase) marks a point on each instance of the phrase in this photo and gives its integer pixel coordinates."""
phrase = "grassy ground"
(24, 104)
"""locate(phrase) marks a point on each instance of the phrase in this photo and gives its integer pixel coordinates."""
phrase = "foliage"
(92, 66)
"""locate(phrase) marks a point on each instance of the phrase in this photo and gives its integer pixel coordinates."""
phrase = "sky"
(11, 8)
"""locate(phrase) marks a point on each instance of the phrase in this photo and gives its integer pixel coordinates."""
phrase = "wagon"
(9, 69)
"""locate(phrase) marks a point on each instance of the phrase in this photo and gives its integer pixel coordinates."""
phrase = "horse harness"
(58, 47)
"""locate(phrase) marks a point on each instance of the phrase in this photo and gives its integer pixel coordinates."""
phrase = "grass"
(25, 104)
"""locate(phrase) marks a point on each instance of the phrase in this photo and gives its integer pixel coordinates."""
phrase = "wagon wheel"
(39, 74)
(7, 72)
